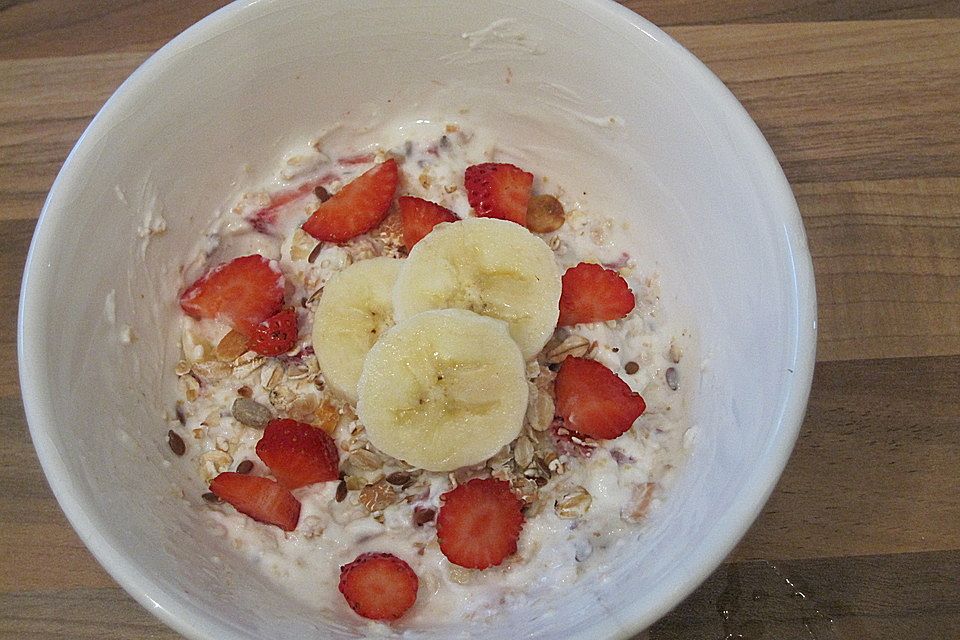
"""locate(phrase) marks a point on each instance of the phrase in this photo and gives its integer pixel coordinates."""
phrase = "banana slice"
(492, 267)
(354, 310)
(443, 389)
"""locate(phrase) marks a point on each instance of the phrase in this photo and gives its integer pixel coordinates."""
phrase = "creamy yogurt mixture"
(581, 496)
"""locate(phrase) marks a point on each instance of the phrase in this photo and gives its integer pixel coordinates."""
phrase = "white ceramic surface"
(583, 90)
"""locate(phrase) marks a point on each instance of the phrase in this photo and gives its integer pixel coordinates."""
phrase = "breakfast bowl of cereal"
(389, 319)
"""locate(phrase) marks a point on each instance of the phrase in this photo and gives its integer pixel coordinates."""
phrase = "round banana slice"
(492, 267)
(354, 310)
(443, 390)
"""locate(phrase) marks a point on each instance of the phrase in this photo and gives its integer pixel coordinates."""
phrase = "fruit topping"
(358, 207)
(420, 217)
(260, 498)
(242, 292)
(497, 190)
(298, 454)
(594, 401)
(479, 523)
(379, 586)
(593, 294)
(277, 334)
(443, 390)
(544, 214)
(491, 267)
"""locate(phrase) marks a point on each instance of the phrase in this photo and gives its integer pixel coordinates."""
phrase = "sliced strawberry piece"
(593, 294)
(594, 401)
(379, 586)
(419, 217)
(358, 207)
(479, 523)
(497, 190)
(298, 454)
(277, 334)
(243, 293)
(260, 498)
(264, 220)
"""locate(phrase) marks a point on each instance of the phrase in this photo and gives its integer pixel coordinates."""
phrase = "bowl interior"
(583, 91)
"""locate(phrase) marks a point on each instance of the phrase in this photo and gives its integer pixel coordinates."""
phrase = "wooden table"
(861, 102)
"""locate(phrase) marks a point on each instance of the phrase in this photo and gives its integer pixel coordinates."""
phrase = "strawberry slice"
(277, 334)
(358, 207)
(264, 220)
(260, 498)
(497, 190)
(243, 293)
(479, 523)
(379, 586)
(594, 401)
(298, 454)
(593, 294)
(419, 217)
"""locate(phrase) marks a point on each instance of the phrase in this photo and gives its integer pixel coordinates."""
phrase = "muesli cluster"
(438, 394)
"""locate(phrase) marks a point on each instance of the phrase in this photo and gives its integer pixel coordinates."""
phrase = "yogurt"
(582, 497)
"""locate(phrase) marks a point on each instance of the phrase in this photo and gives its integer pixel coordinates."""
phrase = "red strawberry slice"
(243, 293)
(264, 219)
(277, 334)
(593, 294)
(379, 586)
(260, 498)
(594, 401)
(356, 208)
(497, 190)
(479, 523)
(298, 454)
(419, 217)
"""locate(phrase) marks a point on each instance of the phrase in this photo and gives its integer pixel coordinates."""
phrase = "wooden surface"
(861, 103)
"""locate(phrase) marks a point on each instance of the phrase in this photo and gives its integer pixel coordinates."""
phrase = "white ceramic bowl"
(586, 90)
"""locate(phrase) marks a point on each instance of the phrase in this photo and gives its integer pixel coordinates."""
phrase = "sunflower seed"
(176, 443)
(399, 478)
(423, 515)
(673, 378)
(251, 413)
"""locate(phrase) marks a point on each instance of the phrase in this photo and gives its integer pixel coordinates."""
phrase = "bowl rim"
(176, 610)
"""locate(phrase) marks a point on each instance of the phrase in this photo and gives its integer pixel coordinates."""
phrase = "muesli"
(424, 377)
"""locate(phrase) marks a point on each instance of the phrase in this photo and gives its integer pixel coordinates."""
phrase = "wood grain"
(697, 12)
(875, 467)
(845, 101)
(859, 99)
(887, 596)
(887, 259)
(45, 104)
(50, 28)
